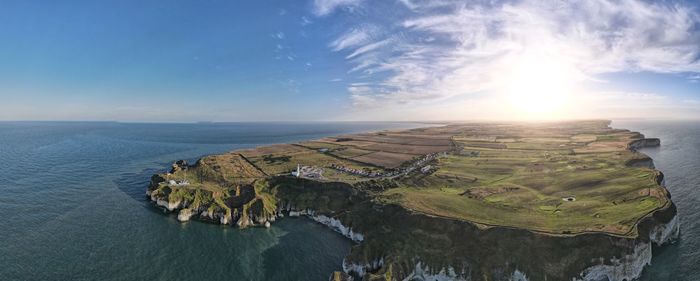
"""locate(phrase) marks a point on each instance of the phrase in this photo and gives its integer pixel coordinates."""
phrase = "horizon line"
(354, 121)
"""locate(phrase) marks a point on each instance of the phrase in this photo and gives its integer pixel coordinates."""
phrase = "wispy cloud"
(695, 78)
(354, 38)
(447, 48)
(368, 48)
(325, 7)
(305, 21)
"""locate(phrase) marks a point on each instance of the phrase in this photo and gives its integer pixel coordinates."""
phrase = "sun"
(538, 86)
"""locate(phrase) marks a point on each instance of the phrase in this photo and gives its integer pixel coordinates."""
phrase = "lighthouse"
(298, 171)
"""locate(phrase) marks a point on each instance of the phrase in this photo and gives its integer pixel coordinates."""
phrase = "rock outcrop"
(178, 166)
(657, 230)
(472, 253)
(644, 142)
(395, 243)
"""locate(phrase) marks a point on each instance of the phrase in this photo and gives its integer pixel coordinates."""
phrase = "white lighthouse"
(297, 173)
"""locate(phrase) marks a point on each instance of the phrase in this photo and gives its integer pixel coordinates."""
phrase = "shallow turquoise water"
(73, 205)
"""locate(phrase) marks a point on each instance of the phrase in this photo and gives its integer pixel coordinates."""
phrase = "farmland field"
(557, 178)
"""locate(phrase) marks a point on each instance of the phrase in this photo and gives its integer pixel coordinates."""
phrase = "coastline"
(634, 251)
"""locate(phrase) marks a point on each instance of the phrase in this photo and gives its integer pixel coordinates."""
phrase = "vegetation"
(558, 179)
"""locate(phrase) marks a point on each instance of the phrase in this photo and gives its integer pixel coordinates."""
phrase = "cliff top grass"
(556, 178)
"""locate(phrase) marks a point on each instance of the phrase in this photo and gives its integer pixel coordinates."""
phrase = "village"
(313, 172)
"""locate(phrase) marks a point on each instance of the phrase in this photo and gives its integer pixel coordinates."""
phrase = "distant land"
(467, 201)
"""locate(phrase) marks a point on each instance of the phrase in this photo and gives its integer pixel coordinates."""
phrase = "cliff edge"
(556, 201)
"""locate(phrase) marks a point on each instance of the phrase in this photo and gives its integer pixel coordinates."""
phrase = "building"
(297, 173)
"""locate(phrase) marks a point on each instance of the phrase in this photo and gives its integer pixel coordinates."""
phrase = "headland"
(472, 201)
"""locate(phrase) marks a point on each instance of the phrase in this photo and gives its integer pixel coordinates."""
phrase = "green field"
(526, 184)
(557, 178)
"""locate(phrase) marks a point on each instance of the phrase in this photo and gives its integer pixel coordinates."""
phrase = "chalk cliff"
(397, 243)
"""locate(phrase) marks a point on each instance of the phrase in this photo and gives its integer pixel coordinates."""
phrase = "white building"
(297, 173)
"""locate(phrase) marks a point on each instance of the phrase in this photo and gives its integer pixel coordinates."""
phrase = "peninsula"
(472, 201)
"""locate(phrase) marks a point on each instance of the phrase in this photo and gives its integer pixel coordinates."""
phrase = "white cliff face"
(354, 268)
(244, 223)
(333, 223)
(628, 267)
(207, 214)
(168, 205)
(362, 269)
(422, 272)
(225, 219)
(338, 226)
(665, 233)
(164, 202)
(518, 276)
(185, 214)
(213, 216)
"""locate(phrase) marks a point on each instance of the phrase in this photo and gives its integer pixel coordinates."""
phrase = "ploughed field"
(556, 178)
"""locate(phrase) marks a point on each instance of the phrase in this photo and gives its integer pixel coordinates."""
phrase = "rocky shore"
(473, 252)
(395, 243)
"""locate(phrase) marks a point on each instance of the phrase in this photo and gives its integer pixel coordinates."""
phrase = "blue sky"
(348, 60)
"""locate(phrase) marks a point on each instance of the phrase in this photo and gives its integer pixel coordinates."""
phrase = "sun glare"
(538, 87)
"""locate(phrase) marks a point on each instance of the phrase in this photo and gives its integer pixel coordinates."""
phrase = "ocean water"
(678, 158)
(73, 206)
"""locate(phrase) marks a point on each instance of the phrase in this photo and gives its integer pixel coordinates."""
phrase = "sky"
(356, 60)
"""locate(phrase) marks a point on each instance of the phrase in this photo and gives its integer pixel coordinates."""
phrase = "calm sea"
(679, 158)
(73, 206)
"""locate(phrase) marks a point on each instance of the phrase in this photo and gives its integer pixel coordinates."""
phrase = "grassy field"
(526, 184)
(559, 178)
(407, 192)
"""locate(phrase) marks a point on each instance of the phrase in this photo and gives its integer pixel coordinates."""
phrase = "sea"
(73, 204)
(678, 158)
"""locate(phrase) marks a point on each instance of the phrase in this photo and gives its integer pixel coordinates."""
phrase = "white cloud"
(305, 21)
(325, 7)
(449, 48)
(367, 48)
(353, 38)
